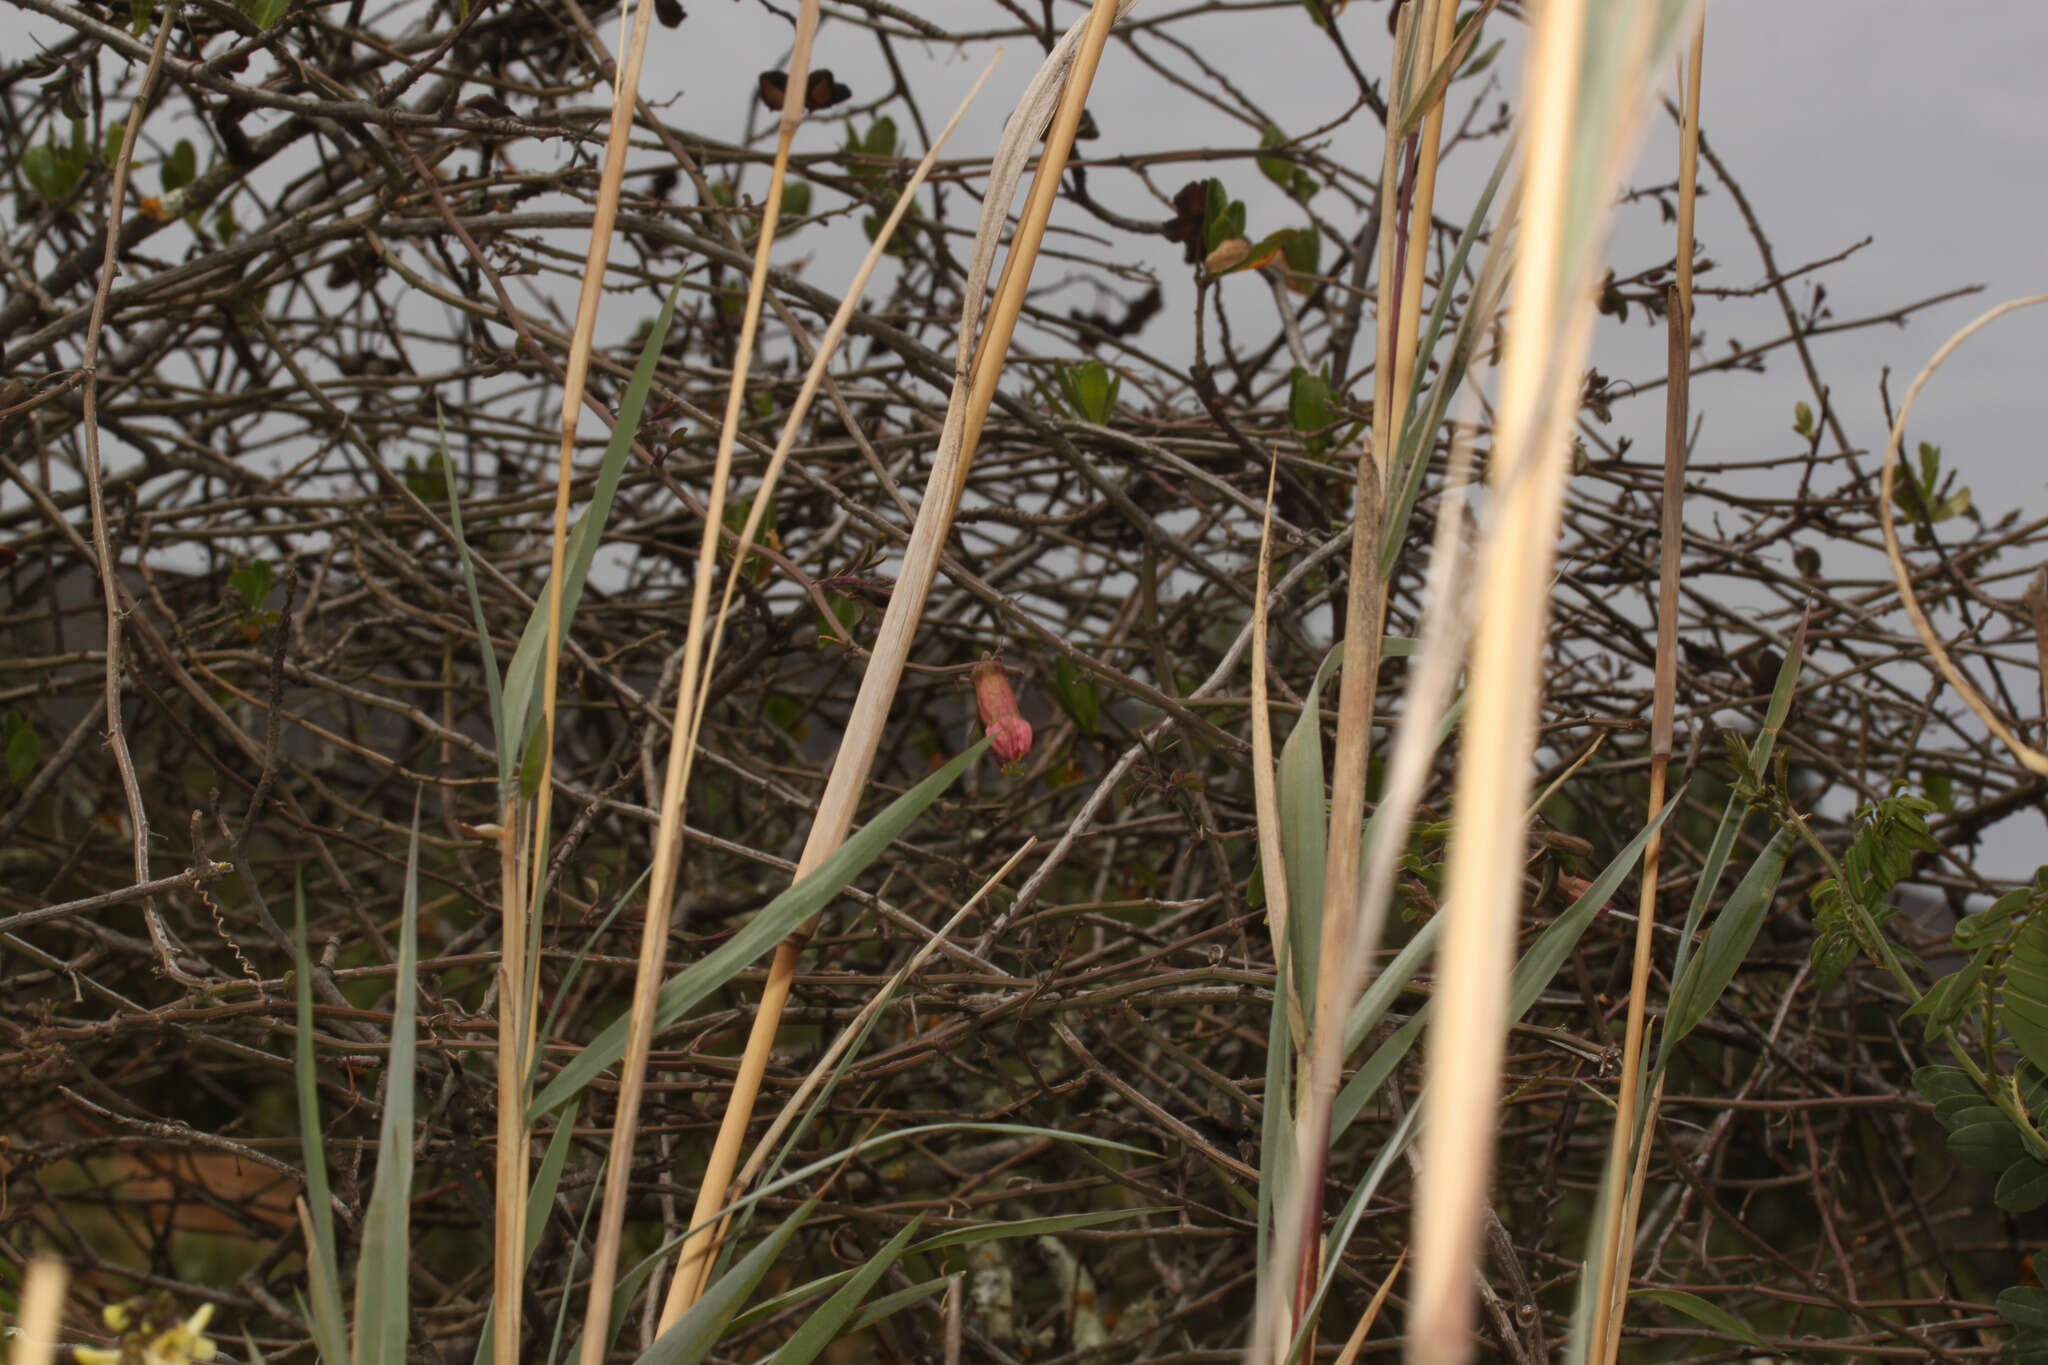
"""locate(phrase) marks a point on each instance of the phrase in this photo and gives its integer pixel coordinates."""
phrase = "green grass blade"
(823, 1325)
(1699, 1310)
(539, 1199)
(590, 1207)
(1545, 956)
(1277, 1139)
(1051, 1225)
(322, 1265)
(1349, 1217)
(798, 1130)
(1728, 943)
(1305, 833)
(1736, 812)
(494, 692)
(383, 1306)
(629, 1282)
(564, 992)
(698, 1330)
(1419, 433)
(896, 1303)
(769, 927)
(522, 676)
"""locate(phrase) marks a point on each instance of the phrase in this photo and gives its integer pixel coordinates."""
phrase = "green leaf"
(1708, 975)
(1277, 169)
(1802, 419)
(1484, 59)
(1965, 1111)
(1076, 696)
(881, 139)
(2032, 1089)
(1988, 927)
(39, 168)
(2022, 1189)
(522, 675)
(24, 746)
(494, 691)
(958, 1237)
(2024, 1305)
(1090, 390)
(253, 581)
(768, 927)
(534, 762)
(847, 610)
(1222, 217)
(1303, 250)
(1947, 999)
(896, 1303)
(2025, 999)
(1532, 974)
(540, 1200)
(781, 710)
(1834, 937)
(698, 1330)
(264, 13)
(180, 168)
(116, 131)
(317, 1210)
(796, 199)
(1305, 832)
(384, 1273)
(1988, 1145)
(2028, 1348)
(1311, 408)
(1937, 1083)
(823, 1325)
(1698, 1309)
(53, 170)
(1049, 1226)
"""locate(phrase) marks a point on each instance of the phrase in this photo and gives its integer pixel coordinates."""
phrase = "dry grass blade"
(1265, 795)
(835, 331)
(1421, 41)
(1586, 76)
(1349, 1355)
(524, 861)
(668, 837)
(973, 389)
(857, 1027)
(2034, 759)
(95, 486)
(41, 1310)
(1617, 1233)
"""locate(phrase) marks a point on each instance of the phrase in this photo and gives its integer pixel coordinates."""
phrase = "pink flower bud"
(1009, 732)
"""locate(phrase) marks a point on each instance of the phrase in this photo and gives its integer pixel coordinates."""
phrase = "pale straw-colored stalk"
(1422, 38)
(764, 1150)
(1585, 83)
(1618, 1215)
(976, 371)
(523, 845)
(41, 1308)
(668, 835)
(1265, 793)
(835, 332)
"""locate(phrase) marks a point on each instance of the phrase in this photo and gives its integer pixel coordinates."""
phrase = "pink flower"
(1008, 731)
